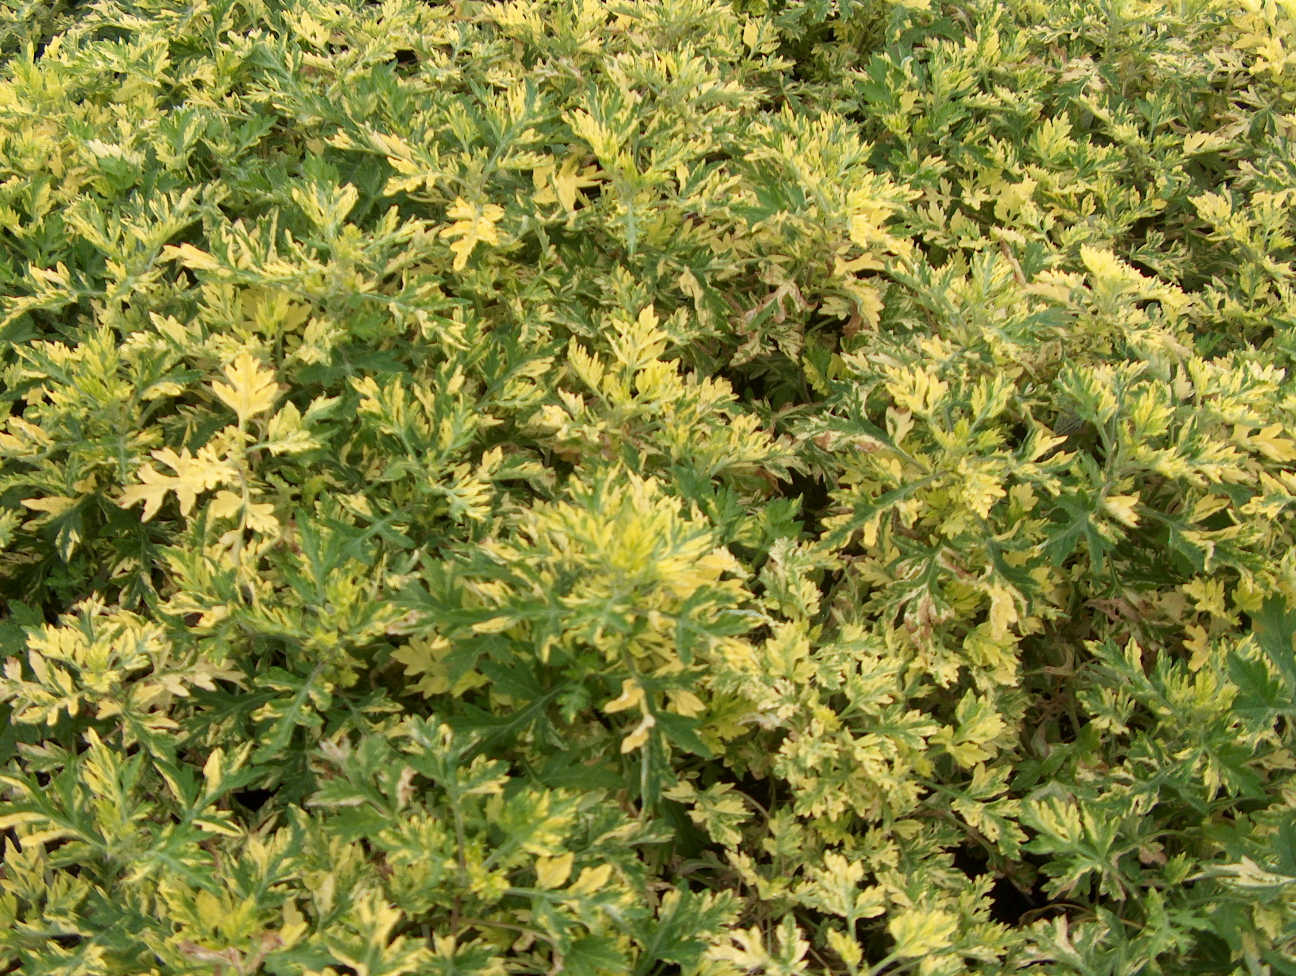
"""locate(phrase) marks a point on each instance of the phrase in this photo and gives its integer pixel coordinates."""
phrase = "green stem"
(876, 970)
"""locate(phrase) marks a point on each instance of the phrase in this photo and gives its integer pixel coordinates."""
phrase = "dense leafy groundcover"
(647, 486)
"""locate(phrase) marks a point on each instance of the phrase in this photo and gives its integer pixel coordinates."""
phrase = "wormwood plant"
(647, 487)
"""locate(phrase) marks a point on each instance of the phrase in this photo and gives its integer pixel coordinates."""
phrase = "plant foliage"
(647, 486)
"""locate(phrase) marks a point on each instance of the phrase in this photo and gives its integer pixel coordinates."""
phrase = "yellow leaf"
(553, 871)
(1111, 277)
(865, 232)
(14, 819)
(225, 504)
(496, 625)
(152, 493)
(217, 826)
(212, 771)
(45, 836)
(1121, 507)
(294, 924)
(1272, 446)
(591, 880)
(54, 504)
(1208, 597)
(260, 518)
(568, 181)
(253, 389)
(603, 140)
(639, 736)
(846, 947)
(1202, 142)
(541, 175)
(422, 655)
(193, 474)
(689, 284)
(472, 224)
(193, 258)
(427, 656)
(919, 933)
(1003, 611)
(1208, 506)
(685, 703)
(914, 389)
(1199, 644)
(107, 709)
(462, 250)
(631, 694)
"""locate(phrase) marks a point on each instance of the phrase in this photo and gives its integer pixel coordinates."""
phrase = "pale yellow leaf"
(472, 224)
(591, 880)
(54, 504)
(631, 694)
(495, 625)
(152, 492)
(919, 933)
(1121, 507)
(553, 871)
(640, 734)
(193, 258)
(252, 390)
(568, 181)
(225, 504)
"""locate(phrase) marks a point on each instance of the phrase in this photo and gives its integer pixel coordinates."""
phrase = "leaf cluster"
(601, 487)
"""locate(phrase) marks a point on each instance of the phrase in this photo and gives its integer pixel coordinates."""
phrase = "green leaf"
(593, 955)
(1274, 626)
